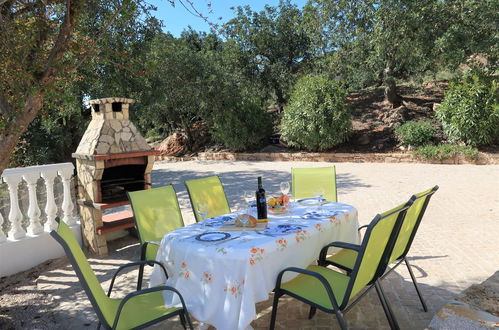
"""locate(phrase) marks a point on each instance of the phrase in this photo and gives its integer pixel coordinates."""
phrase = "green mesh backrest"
(308, 182)
(211, 191)
(84, 271)
(409, 224)
(376, 241)
(156, 212)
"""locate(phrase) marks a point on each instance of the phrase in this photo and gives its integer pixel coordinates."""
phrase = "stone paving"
(456, 245)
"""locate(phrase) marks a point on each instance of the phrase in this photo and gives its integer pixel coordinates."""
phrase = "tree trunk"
(279, 99)
(391, 95)
(10, 136)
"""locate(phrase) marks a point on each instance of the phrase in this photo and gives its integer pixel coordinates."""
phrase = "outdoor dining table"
(223, 275)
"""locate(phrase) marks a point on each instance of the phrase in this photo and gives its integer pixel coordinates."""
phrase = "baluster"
(2, 234)
(67, 204)
(35, 227)
(50, 207)
(15, 215)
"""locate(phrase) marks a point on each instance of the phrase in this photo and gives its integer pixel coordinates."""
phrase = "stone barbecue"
(111, 159)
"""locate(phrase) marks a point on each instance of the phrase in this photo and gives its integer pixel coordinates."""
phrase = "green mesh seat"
(331, 291)
(310, 182)
(346, 257)
(156, 212)
(211, 191)
(136, 310)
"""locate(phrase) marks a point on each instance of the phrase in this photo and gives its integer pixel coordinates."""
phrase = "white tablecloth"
(222, 281)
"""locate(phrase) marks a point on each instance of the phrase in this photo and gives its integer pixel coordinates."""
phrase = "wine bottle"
(261, 201)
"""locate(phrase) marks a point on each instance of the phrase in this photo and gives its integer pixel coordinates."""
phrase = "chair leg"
(274, 310)
(312, 311)
(341, 320)
(415, 284)
(188, 319)
(182, 320)
(386, 307)
(141, 275)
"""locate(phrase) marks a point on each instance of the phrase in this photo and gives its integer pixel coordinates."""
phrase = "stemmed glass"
(284, 186)
(319, 190)
(249, 196)
(202, 209)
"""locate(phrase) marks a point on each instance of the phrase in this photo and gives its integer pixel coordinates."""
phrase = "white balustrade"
(50, 207)
(13, 177)
(3, 238)
(67, 204)
(35, 227)
(15, 216)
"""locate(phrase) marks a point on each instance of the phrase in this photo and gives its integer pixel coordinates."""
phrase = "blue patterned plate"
(213, 236)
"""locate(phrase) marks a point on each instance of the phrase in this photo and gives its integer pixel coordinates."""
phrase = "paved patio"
(456, 245)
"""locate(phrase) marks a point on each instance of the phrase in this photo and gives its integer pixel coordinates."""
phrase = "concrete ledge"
(482, 159)
(475, 308)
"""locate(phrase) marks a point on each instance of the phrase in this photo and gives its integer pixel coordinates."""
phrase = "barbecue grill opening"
(116, 181)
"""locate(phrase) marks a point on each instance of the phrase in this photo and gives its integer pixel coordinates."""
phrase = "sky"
(176, 19)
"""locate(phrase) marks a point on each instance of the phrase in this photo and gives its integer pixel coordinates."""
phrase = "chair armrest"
(132, 295)
(362, 227)
(343, 245)
(143, 248)
(306, 272)
(133, 264)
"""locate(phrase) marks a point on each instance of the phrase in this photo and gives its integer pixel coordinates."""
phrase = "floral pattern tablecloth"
(221, 281)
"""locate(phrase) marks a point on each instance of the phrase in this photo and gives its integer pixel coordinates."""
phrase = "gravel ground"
(452, 251)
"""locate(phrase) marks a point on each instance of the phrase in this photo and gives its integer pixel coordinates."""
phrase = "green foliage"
(445, 151)
(242, 126)
(415, 133)
(274, 46)
(470, 110)
(316, 117)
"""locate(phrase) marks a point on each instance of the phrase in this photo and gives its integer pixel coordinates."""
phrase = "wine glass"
(284, 186)
(249, 196)
(319, 190)
(202, 209)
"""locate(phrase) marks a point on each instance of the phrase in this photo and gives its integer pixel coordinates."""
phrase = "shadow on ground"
(59, 302)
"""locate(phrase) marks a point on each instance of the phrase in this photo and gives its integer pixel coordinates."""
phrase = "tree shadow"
(63, 304)
(236, 182)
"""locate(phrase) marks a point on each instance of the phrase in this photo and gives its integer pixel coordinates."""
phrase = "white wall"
(25, 253)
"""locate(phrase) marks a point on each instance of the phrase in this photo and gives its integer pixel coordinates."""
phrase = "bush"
(445, 151)
(470, 110)
(415, 133)
(243, 126)
(316, 117)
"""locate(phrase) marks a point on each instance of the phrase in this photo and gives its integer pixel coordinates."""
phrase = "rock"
(436, 106)
(173, 145)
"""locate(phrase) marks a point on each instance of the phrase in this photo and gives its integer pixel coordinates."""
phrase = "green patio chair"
(136, 310)
(310, 182)
(330, 291)
(345, 258)
(211, 191)
(156, 212)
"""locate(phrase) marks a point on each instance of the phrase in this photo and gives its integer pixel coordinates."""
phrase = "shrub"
(445, 151)
(470, 110)
(415, 133)
(316, 117)
(242, 126)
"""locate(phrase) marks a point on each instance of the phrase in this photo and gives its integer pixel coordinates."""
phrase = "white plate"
(309, 201)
